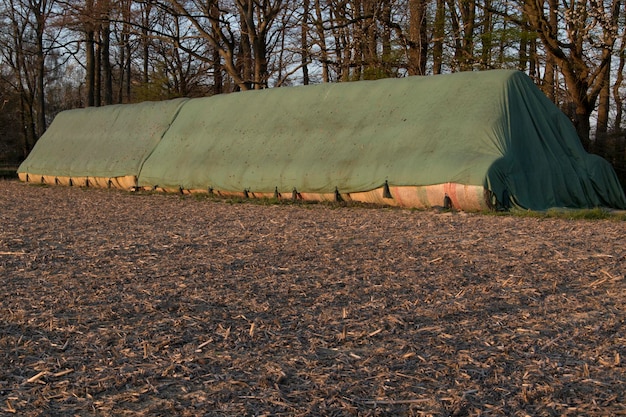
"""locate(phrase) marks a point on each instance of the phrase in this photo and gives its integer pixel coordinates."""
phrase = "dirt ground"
(121, 304)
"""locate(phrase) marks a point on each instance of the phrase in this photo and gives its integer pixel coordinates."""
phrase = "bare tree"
(581, 43)
(239, 32)
(26, 44)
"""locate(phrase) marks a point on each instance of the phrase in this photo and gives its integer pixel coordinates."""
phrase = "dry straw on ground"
(125, 304)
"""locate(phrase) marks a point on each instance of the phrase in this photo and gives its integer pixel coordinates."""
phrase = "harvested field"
(124, 304)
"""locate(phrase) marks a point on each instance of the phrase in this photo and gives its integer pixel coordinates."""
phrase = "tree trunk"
(468, 14)
(617, 125)
(321, 34)
(549, 81)
(602, 123)
(106, 62)
(439, 35)
(218, 79)
(455, 26)
(373, 66)
(533, 58)
(129, 71)
(304, 41)
(145, 40)
(90, 66)
(619, 107)
(244, 63)
(357, 38)
(260, 65)
(26, 143)
(418, 45)
(387, 56)
(40, 94)
(345, 53)
(98, 70)
(486, 36)
(124, 40)
(523, 47)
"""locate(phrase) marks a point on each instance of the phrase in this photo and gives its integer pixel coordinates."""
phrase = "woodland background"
(61, 54)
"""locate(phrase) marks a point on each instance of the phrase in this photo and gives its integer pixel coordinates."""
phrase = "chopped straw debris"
(116, 303)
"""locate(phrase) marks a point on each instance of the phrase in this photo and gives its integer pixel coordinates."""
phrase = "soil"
(137, 304)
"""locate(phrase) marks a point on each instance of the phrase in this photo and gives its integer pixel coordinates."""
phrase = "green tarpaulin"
(106, 142)
(350, 136)
(492, 129)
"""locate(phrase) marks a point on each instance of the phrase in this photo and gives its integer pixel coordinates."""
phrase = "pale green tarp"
(349, 136)
(494, 129)
(105, 142)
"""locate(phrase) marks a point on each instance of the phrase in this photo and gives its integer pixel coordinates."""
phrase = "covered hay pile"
(128, 304)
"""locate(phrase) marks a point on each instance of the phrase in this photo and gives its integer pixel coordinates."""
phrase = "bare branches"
(119, 51)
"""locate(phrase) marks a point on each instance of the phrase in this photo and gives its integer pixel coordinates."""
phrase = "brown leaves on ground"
(127, 304)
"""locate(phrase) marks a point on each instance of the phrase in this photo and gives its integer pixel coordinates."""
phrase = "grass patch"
(598, 213)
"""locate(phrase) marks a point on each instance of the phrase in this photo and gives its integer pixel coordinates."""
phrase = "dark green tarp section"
(105, 142)
(494, 129)
(543, 163)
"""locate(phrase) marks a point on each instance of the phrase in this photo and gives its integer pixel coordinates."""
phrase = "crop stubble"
(115, 303)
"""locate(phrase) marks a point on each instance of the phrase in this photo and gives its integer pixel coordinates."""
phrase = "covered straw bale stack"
(471, 141)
